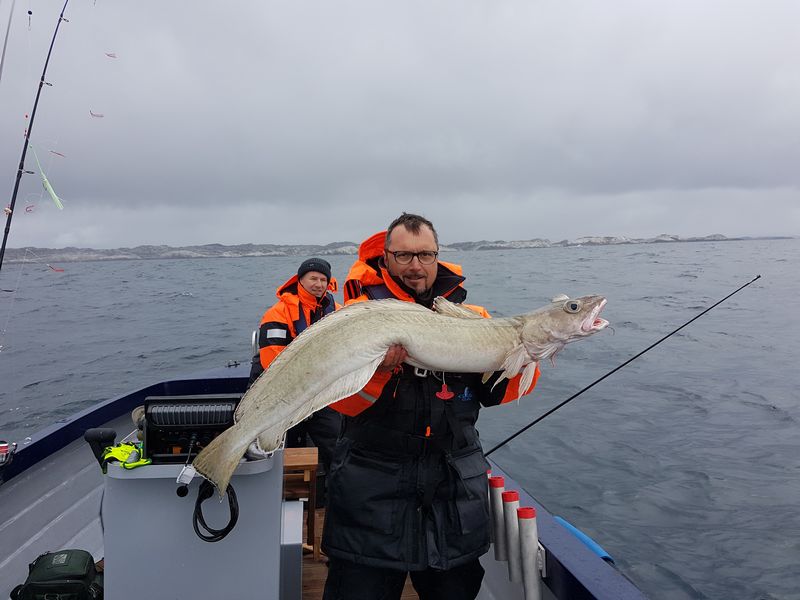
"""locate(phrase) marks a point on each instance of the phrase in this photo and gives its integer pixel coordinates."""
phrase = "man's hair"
(412, 223)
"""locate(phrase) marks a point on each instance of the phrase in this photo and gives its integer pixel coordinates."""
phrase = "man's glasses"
(426, 257)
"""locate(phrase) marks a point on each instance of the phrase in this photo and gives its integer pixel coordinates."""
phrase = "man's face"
(415, 275)
(314, 283)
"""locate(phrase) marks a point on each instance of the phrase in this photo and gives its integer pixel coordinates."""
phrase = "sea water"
(684, 465)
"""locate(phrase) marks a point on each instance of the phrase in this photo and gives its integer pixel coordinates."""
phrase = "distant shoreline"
(71, 254)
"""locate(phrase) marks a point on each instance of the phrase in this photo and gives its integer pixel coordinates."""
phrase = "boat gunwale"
(45, 442)
(570, 565)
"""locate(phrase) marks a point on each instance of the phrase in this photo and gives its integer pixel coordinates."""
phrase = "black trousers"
(349, 581)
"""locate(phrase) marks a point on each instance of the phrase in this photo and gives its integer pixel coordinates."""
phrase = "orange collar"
(292, 287)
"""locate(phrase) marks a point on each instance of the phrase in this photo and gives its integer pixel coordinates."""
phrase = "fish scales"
(375, 332)
(336, 357)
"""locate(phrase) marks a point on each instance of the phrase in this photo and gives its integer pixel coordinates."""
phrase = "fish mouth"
(594, 322)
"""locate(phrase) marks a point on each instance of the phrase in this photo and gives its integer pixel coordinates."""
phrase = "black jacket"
(401, 499)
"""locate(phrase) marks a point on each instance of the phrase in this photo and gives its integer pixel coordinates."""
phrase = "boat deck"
(54, 489)
(315, 571)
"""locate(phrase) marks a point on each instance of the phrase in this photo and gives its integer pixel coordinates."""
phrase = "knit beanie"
(315, 264)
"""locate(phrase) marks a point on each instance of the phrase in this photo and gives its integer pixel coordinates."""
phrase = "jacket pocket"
(365, 491)
(472, 502)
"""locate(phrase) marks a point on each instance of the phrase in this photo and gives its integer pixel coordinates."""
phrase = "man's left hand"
(395, 356)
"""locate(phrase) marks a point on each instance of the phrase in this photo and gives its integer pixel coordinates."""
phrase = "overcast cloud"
(315, 122)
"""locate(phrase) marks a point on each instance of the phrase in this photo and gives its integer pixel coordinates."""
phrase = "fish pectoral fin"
(487, 376)
(443, 306)
(513, 362)
(527, 379)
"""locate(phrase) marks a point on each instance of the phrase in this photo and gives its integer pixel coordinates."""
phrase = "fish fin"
(559, 298)
(254, 452)
(353, 382)
(217, 461)
(527, 378)
(270, 439)
(351, 311)
(499, 379)
(486, 376)
(443, 306)
(513, 362)
(331, 321)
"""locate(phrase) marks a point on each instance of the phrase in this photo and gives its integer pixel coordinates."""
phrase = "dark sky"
(313, 122)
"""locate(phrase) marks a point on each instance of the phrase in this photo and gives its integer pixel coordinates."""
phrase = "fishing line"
(38, 259)
(5, 41)
(13, 298)
(630, 360)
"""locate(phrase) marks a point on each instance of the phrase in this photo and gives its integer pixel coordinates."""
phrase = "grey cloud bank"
(290, 123)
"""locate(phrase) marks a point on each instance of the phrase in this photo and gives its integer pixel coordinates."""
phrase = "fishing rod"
(630, 360)
(21, 169)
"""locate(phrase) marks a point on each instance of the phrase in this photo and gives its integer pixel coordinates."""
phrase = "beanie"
(315, 264)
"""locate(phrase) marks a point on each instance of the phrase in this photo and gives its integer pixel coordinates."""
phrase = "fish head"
(564, 320)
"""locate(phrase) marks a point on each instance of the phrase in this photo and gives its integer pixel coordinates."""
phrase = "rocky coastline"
(164, 252)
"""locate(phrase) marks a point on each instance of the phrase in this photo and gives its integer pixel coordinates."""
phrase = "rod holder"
(496, 489)
(529, 550)
(510, 506)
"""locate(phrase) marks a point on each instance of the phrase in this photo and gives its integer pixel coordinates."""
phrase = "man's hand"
(395, 356)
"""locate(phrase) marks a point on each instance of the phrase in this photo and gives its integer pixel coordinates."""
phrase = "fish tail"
(217, 461)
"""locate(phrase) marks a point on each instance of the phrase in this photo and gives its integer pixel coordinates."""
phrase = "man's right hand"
(395, 356)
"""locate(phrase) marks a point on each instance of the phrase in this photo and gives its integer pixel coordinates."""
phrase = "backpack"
(62, 575)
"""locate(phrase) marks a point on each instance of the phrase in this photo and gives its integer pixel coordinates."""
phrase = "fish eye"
(572, 306)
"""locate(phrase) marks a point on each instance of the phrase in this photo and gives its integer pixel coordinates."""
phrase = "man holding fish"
(407, 488)
(407, 485)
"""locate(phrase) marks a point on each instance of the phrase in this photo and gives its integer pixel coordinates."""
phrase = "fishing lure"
(46, 183)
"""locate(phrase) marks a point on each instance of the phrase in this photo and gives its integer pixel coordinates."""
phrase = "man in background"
(303, 300)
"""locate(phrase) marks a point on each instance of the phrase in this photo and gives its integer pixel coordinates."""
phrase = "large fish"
(337, 356)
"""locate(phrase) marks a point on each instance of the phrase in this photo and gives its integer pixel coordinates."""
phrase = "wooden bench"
(300, 481)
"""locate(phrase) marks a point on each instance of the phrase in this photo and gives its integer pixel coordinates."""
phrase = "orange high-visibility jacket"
(368, 279)
(295, 310)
